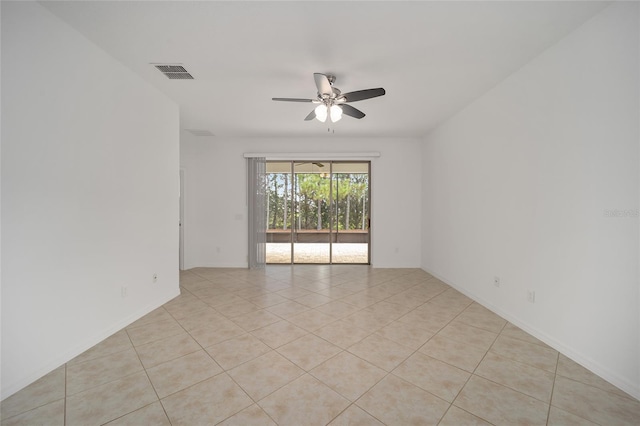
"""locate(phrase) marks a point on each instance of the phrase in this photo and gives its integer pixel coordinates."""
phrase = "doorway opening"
(318, 212)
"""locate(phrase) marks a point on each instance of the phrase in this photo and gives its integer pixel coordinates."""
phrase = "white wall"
(216, 187)
(89, 194)
(518, 184)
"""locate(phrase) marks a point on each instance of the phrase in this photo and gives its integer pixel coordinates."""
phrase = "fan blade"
(351, 111)
(311, 115)
(323, 85)
(292, 99)
(360, 95)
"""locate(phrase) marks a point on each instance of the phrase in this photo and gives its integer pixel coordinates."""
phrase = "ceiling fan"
(315, 163)
(332, 102)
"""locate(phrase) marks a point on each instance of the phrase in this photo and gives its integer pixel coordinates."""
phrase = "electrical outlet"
(496, 281)
(155, 278)
(123, 291)
(531, 296)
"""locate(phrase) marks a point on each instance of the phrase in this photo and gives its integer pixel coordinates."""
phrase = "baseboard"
(622, 383)
(77, 350)
(241, 265)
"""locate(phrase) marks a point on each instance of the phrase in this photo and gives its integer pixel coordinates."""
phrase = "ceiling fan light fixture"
(336, 113)
(321, 112)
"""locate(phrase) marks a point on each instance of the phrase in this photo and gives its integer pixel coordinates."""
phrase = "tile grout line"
(418, 349)
(391, 371)
(306, 371)
(65, 394)
(473, 373)
(372, 333)
(226, 372)
(509, 387)
(590, 386)
(150, 382)
(553, 387)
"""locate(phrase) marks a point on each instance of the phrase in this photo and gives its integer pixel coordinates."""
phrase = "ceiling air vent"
(175, 72)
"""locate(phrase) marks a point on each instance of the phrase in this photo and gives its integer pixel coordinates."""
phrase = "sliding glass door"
(312, 223)
(351, 213)
(280, 211)
(318, 212)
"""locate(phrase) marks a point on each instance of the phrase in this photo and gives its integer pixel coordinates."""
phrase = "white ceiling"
(433, 58)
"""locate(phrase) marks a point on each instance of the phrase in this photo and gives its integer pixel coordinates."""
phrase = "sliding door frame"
(333, 209)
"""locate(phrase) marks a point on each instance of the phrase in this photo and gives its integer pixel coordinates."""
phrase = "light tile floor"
(317, 345)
